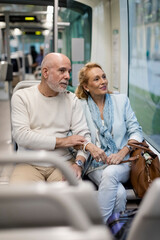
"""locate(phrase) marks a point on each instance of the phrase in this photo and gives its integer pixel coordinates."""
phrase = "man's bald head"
(52, 58)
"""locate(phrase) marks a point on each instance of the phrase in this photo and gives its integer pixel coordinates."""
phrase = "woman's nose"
(104, 80)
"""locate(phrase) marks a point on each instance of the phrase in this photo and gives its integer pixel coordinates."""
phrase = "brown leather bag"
(145, 167)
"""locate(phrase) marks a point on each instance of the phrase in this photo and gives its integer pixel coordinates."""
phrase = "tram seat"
(28, 83)
(16, 60)
(58, 210)
(25, 84)
(37, 73)
(146, 224)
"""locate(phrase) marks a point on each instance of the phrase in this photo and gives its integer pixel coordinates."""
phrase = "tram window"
(144, 61)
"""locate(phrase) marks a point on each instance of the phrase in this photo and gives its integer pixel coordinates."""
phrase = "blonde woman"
(113, 124)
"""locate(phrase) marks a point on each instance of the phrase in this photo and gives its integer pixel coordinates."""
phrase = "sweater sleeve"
(21, 131)
(79, 124)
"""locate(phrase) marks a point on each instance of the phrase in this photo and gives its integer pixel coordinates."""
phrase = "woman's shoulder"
(119, 96)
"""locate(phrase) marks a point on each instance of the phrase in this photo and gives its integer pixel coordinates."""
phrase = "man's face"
(59, 75)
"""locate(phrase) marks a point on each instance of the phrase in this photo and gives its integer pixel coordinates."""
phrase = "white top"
(37, 120)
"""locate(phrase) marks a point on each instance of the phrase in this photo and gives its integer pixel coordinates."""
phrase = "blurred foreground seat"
(58, 210)
(146, 224)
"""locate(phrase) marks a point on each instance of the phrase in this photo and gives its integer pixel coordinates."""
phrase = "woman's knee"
(109, 173)
(116, 173)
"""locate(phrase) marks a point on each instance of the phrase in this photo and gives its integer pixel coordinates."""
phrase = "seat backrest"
(25, 84)
(36, 205)
(146, 224)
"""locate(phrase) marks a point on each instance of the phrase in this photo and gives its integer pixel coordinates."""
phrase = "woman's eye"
(96, 79)
(104, 76)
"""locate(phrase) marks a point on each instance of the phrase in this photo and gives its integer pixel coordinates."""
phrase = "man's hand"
(70, 141)
(97, 153)
(77, 170)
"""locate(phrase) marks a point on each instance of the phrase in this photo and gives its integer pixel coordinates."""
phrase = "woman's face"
(97, 83)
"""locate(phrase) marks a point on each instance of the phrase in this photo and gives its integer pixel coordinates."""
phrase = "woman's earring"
(87, 90)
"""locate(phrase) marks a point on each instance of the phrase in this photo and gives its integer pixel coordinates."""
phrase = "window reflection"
(144, 70)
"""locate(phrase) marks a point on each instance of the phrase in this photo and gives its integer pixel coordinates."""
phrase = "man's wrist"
(80, 163)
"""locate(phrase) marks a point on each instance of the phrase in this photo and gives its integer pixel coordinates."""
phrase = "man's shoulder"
(24, 92)
(70, 95)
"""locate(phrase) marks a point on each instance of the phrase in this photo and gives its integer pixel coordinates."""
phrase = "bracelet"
(84, 147)
(129, 147)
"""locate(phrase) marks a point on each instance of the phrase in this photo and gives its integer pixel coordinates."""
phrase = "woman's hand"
(97, 153)
(116, 158)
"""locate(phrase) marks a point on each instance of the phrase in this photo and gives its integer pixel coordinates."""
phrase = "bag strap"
(138, 145)
(131, 159)
(141, 145)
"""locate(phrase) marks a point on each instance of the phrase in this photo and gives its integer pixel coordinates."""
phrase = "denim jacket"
(125, 124)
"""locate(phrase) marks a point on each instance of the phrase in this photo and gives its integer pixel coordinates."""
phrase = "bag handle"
(141, 145)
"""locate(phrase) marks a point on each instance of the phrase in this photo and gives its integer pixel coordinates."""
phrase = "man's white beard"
(56, 87)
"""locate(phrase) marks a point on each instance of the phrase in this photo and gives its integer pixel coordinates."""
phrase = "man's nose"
(67, 75)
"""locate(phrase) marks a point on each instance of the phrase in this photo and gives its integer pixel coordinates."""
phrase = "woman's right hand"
(97, 153)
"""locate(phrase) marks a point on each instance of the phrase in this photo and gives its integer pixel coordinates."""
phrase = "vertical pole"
(7, 37)
(23, 57)
(7, 50)
(7, 40)
(55, 27)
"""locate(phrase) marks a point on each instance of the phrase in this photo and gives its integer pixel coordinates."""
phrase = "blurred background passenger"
(34, 56)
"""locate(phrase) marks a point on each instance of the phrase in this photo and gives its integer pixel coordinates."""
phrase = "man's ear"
(45, 72)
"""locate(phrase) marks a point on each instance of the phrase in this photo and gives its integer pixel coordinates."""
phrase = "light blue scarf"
(107, 143)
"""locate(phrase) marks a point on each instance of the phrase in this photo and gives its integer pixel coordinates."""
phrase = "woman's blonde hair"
(83, 79)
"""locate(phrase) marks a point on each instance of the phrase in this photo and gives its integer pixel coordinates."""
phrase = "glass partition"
(144, 66)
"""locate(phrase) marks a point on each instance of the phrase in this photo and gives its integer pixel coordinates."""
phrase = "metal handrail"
(40, 157)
